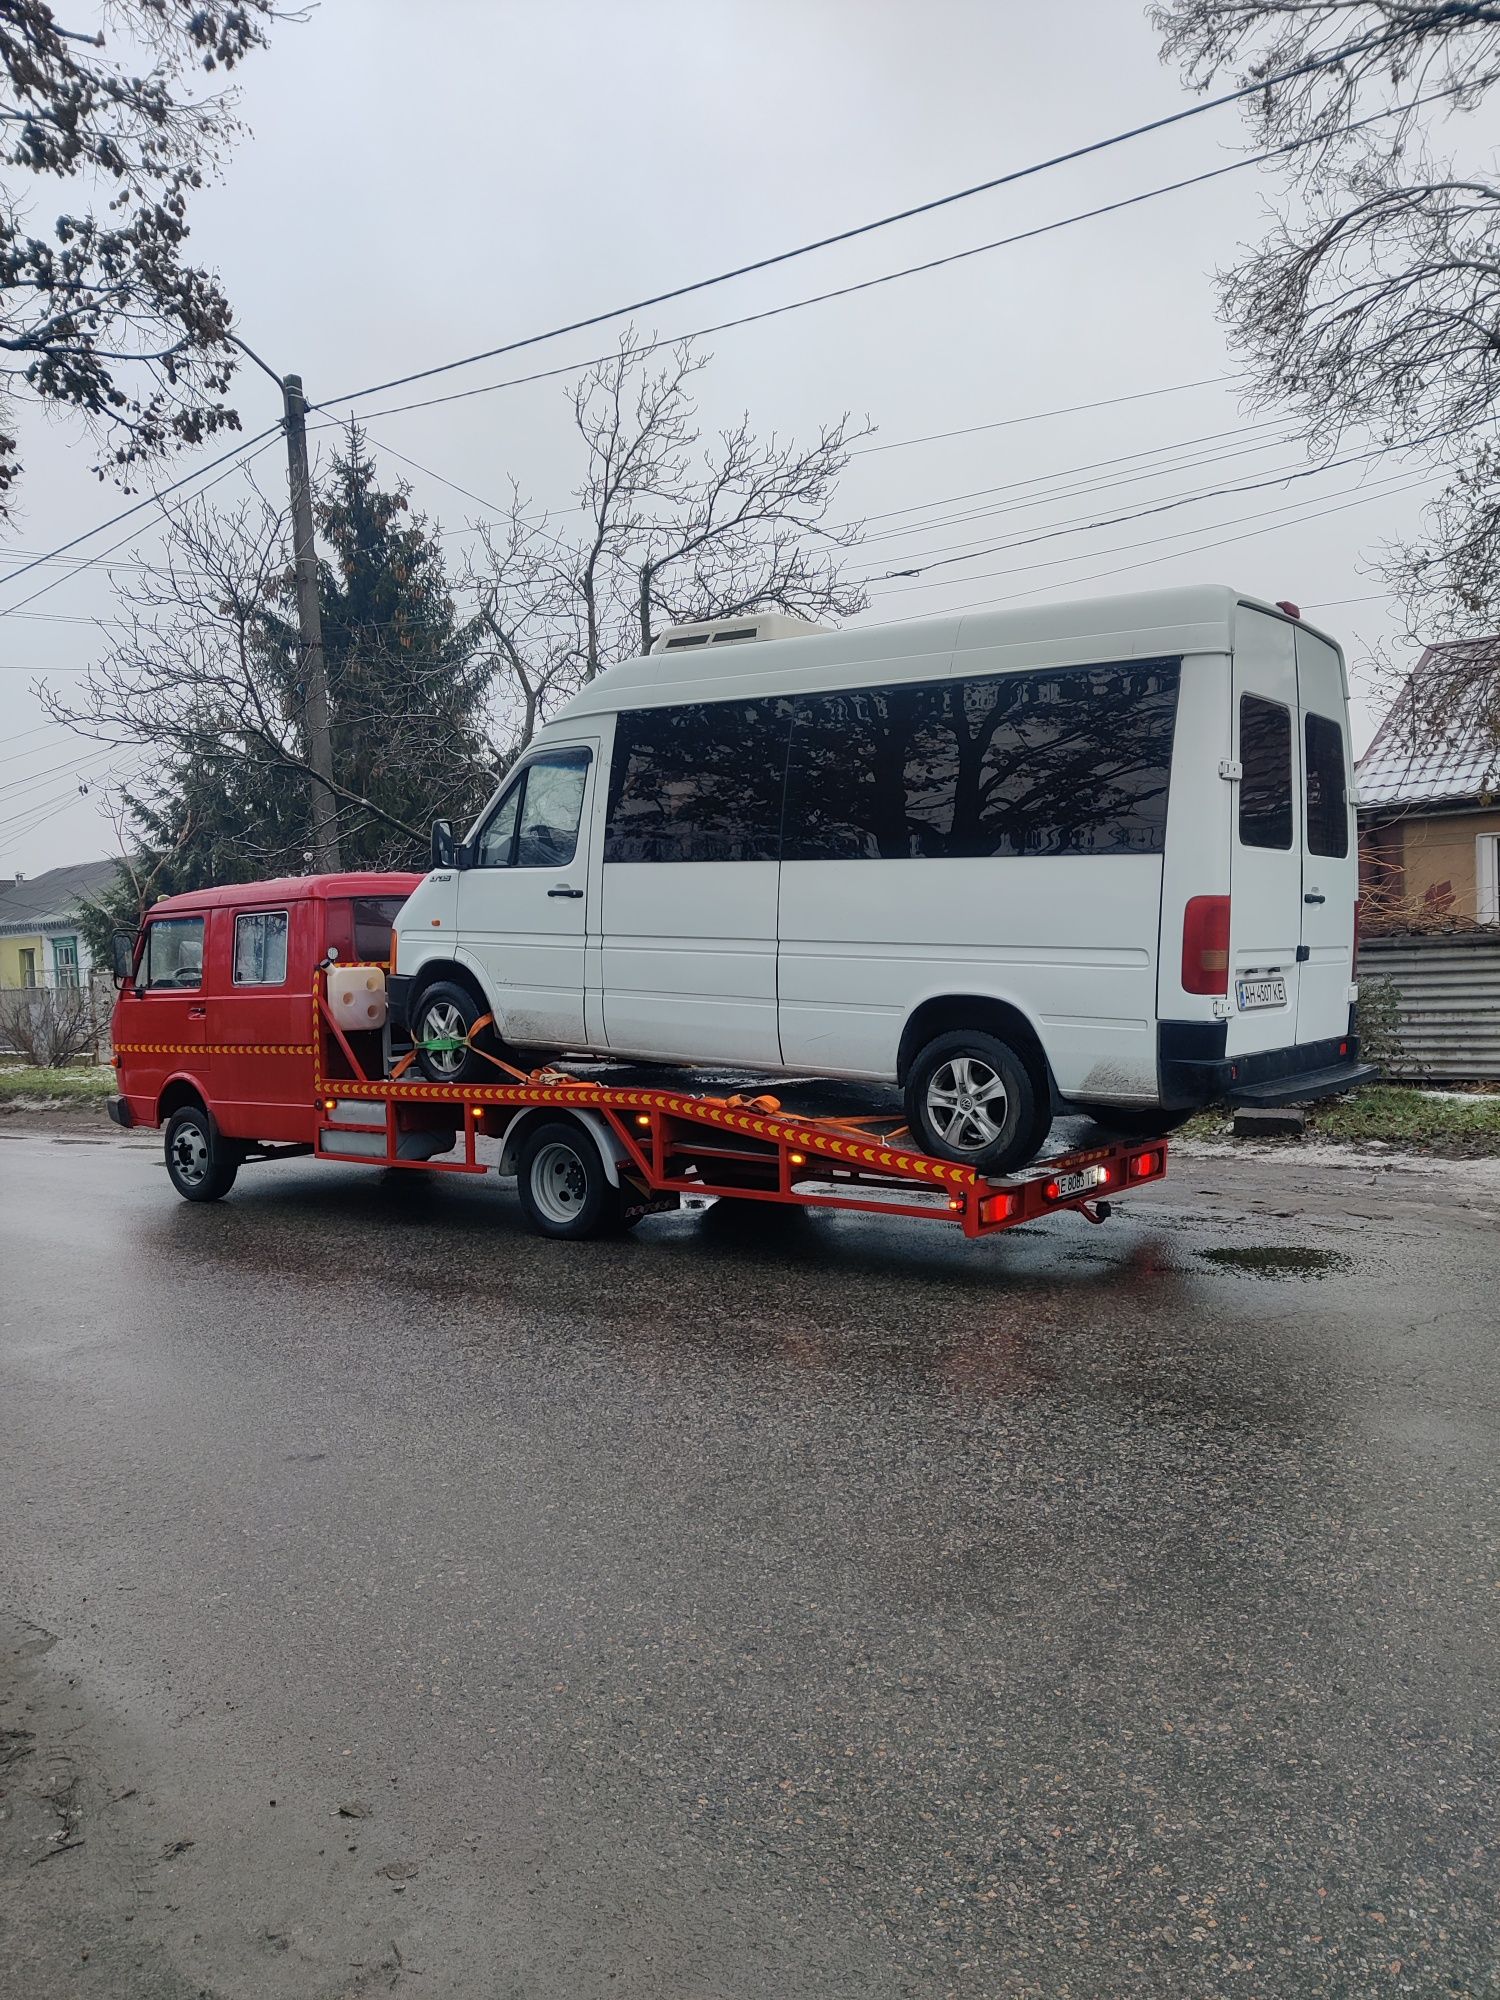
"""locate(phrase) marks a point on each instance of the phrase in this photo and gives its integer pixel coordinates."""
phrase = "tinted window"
(698, 783)
(1072, 762)
(1327, 797)
(1266, 786)
(174, 952)
(373, 918)
(536, 824)
(260, 949)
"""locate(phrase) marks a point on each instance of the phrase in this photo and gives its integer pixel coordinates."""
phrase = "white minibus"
(1095, 857)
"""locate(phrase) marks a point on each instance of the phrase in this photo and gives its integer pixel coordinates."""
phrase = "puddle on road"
(1267, 1260)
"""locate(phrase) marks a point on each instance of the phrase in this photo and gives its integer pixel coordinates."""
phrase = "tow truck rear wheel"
(201, 1164)
(563, 1187)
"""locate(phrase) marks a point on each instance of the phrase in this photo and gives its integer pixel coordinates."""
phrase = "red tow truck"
(251, 1025)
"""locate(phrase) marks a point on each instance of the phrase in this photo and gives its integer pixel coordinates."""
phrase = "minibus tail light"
(1205, 945)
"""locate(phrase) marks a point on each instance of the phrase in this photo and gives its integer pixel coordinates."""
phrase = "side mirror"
(442, 843)
(121, 954)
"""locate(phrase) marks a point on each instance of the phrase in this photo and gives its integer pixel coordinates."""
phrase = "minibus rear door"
(1266, 851)
(1329, 875)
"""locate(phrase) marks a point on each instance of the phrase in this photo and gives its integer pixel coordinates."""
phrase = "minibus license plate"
(1261, 993)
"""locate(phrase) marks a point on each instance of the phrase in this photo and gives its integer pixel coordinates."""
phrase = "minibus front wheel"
(970, 1097)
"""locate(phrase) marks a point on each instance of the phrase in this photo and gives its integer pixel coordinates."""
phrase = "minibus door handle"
(197, 1013)
(1315, 896)
(574, 894)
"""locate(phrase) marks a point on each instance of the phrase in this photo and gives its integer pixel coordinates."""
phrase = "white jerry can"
(356, 996)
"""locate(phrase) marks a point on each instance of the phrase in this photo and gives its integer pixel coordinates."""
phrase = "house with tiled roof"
(1429, 794)
(41, 943)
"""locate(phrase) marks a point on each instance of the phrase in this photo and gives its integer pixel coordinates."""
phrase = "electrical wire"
(154, 500)
(1016, 174)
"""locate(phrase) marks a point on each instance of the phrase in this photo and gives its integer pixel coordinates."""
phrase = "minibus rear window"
(1327, 794)
(1071, 761)
(1266, 783)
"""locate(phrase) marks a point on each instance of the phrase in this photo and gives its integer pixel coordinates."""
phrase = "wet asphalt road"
(398, 1603)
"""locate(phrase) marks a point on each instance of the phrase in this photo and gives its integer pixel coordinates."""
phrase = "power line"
(1098, 576)
(154, 500)
(1279, 513)
(866, 284)
(868, 228)
(249, 454)
(1039, 416)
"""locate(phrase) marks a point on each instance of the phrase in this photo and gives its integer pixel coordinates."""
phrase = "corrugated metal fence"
(1449, 989)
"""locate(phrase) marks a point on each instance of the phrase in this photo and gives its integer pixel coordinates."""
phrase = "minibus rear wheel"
(970, 1097)
(201, 1163)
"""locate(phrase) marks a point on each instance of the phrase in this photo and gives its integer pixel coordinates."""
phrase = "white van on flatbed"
(1091, 857)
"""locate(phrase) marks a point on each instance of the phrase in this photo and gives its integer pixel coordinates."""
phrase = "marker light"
(995, 1208)
(1052, 1191)
(954, 1202)
(643, 1118)
(798, 1159)
(1143, 1164)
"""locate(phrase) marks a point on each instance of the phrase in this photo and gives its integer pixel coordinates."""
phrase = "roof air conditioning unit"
(736, 631)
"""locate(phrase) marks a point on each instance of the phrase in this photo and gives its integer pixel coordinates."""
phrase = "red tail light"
(1205, 945)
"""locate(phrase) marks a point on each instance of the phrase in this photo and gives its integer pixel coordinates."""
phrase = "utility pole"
(325, 835)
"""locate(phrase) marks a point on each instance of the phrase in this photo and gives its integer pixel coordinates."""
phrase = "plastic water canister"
(356, 996)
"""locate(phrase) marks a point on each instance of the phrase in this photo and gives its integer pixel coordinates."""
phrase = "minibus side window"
(1327, 812)
(260, 949)
(1072, 761)
(1266, 783)
(699, 782)
(174, 953)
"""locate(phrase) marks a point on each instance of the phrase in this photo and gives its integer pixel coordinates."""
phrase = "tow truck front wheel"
(563, 1187)
(201, 1165)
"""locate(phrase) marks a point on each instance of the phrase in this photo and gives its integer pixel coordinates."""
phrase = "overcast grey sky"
(426, 181)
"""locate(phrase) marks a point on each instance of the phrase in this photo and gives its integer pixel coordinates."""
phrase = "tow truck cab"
(216, 1010)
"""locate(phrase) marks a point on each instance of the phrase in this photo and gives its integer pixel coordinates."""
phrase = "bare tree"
(50, 1026)
(1373, 303)
(675, 527)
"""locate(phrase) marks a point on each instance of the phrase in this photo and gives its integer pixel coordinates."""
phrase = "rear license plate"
(1078, 1183)
(1261, 993)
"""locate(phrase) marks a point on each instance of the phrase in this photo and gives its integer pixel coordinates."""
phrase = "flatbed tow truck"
(252, 1024)
(593, 1153)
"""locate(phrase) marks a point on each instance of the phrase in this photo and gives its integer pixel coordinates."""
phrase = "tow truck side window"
(174, 954)
(260, 948)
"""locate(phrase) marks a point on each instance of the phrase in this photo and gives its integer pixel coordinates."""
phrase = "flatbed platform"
(662, 1137)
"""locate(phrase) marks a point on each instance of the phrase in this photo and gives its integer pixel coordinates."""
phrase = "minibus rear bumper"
(1194, 1071)
(119, 1110)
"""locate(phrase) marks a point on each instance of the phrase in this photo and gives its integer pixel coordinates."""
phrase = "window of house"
(1266, 763)
(260, 948)
(1069, 762)
(1327, 803)
(1487, 872)
(174, 952)
(699, 782)
(65, 960)
(27, 955)
(536, 824)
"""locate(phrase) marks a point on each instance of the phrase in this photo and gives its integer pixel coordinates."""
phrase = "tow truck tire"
(442, 1012)
(970, 1098)
(201, 1164)
(563, 1187)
